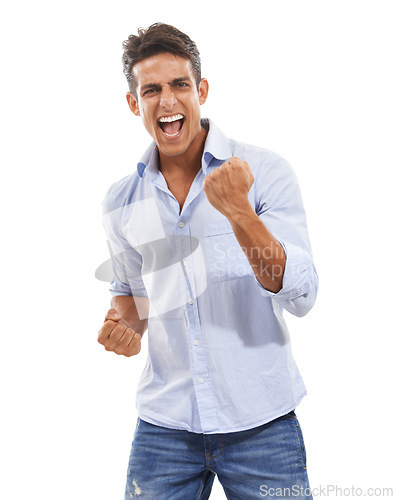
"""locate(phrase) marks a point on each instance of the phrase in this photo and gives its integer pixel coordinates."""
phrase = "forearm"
(265, 254)
(134, 310)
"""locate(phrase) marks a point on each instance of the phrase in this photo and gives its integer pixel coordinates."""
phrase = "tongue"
(171, 127)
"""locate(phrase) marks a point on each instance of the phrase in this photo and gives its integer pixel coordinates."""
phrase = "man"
(209, 244)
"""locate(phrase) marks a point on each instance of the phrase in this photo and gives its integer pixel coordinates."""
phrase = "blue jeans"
(268, 461)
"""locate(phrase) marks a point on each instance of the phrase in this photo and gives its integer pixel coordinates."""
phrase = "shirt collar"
(216, 146)
(149, 159)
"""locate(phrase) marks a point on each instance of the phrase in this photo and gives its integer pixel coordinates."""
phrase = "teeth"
(173, 118)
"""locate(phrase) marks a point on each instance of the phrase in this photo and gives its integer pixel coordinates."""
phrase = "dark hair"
(156, 39)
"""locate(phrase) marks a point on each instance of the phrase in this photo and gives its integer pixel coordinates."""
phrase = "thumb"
(113, 314)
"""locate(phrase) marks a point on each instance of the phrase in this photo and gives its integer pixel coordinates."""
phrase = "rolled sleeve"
(300, 283)
(126, 261)
(279, 205)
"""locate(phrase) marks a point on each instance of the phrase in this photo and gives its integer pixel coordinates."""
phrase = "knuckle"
(108, 325)
(136, 339)
(118, 329)
(119, 351)
(134, 347)
(127, 336)
(132, 350)
(131, 332)
(111, 346)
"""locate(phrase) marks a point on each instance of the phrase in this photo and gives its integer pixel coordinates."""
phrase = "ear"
(203, 91)
(133, 104)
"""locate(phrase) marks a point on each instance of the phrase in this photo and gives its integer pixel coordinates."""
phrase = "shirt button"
(201, 380)
(181, 224)
(191, 301)
(186, 263)
(195, 342)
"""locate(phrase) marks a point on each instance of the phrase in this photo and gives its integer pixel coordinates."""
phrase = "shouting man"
(209, 244)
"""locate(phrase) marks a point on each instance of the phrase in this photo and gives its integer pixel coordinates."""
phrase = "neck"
(186, 164)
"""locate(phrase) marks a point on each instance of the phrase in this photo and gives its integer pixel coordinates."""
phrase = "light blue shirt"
(219, 355)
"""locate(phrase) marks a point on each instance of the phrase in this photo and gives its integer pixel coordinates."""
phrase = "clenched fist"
(227, 187)
(115, 335)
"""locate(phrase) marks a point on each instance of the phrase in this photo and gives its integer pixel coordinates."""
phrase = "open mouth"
(171, 125)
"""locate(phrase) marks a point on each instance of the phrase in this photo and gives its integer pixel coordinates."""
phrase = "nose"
(168, 99)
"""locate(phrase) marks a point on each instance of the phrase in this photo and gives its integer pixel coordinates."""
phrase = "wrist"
(240, 216)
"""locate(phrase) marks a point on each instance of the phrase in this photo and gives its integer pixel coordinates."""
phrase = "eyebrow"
(157, 86)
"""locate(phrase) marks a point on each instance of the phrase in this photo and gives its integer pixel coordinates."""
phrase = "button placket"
(200, 372)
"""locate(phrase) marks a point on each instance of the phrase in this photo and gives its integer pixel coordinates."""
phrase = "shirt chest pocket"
(225, 259)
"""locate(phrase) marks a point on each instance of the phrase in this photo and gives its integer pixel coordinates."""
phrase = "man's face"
(168, 101)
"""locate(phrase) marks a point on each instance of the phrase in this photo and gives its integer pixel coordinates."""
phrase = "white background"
(313, 81)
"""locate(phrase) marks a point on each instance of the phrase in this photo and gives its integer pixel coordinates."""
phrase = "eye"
(182, 84)
(150, 91)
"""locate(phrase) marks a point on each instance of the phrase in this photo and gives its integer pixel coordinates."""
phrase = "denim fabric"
(268, 461)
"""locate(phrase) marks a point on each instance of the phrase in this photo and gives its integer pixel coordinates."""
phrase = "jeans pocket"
(292, 417)
(301, 443)
(136, 426)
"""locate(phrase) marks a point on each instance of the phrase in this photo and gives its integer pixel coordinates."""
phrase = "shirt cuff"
(296, 276)
(123, 289)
